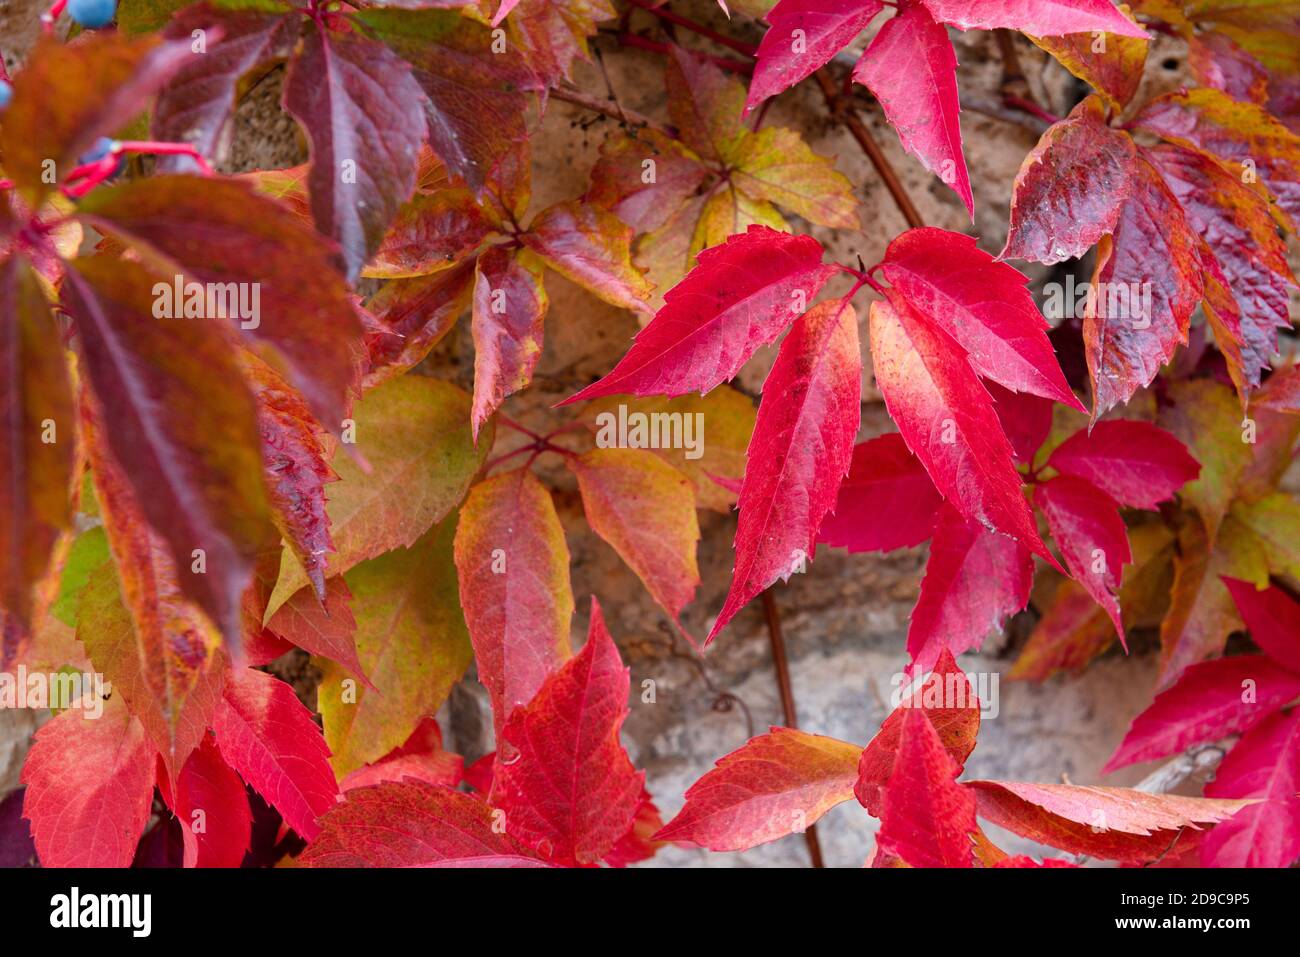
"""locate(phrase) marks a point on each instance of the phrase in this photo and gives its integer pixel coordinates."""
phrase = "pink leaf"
(265, 734)
(212, 807)
(785, 58)
(1091, 534)
(89, 788)
(562, 777)
(886, 501)
(975, 579)
(927, 818)
(1265, 764)
(800, 451)
(413, 824)
(1273, 618)
(946, 417)
(1135, 463)
(1210, 700)
(983, 304)
(741, 296)
(773, 785)
(911, 69)
(1041, 18)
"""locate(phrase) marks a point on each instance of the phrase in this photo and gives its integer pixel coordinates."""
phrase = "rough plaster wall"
(846, 619)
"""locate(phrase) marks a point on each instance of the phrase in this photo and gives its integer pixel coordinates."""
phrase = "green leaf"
(413, 432)
(411, 642)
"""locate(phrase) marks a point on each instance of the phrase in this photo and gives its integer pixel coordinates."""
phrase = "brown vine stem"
(608, 108)
(740, 46)
(782, 665)
(846, 115)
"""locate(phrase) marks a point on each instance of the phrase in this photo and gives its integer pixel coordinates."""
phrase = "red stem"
(1030, 107)
(739, 46)
(49, 17)
(159, 148)
(641, 43)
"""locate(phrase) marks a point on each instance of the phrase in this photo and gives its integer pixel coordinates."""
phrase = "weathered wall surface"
(845, 619)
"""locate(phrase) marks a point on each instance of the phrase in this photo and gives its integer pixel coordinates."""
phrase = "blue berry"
(103, 146)
(92, 14)
(6, 94)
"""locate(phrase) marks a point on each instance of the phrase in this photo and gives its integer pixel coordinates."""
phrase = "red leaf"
(326, 629)
(563, 779)
(742, 295)
(430, 232)
(512, 564)
(617, 183)
(911, 69)
(1238, 228)
(800, 451)
(1116, 824)
(1025, 418)
(983, 304)
(645, 509)
(887, 501)
(974, 580)
(1070, 188)
(639, 843)
(1042, 18)
(592, 247)
(67, 95)
(475, 103)
(1148, 280)
(439, 767)
(183, 430)
(266, 735)
(1233, 133)
(784, 58)
(1210, 700)
(947, 419)
(1265, 764)
(296, 469)
(948, 700)
(413, 824)
(509, 306)
(420, 756)
(1091, 534)
(1216, 60)
(212, 807)
(926, 817)
(89, 788)
(479, 775)
(1135, 463)
(218, 230)
(1272, 616)
(1281, 392)
(411, 317)
(197, 106)
(36, 476)
(160, 652)
(361, 109)
(775, 784)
